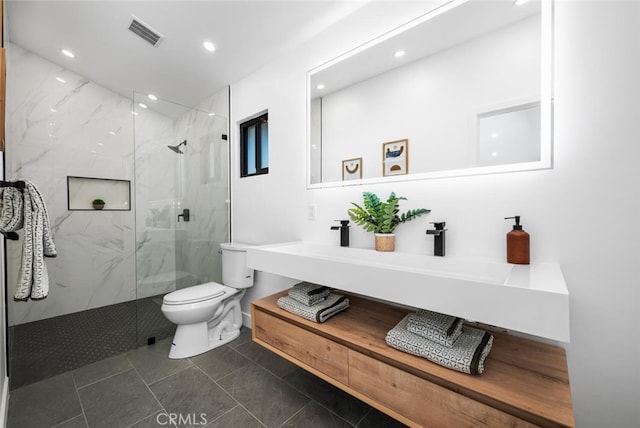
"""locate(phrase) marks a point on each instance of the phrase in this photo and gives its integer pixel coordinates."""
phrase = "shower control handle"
(185, 215)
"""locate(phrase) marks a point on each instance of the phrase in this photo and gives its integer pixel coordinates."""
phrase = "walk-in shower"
(113, 265)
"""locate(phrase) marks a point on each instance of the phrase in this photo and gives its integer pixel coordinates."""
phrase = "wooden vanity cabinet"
(525, 383)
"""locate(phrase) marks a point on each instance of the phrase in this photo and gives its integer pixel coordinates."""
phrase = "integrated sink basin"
(531, 299)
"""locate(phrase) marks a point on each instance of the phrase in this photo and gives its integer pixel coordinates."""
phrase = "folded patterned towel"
(320, 312)
(437, 327)
(467, 355)
(309, 293)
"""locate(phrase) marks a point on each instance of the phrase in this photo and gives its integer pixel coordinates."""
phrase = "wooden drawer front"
(322, 354)
(421, 401)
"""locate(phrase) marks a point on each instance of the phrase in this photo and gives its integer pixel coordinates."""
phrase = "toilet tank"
(234, 265)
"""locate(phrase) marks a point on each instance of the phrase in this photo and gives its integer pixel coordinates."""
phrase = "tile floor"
(239, 385)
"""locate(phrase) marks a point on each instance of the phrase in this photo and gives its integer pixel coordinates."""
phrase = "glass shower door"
(181, 201)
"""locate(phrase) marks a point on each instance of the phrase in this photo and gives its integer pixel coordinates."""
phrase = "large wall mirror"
(464, 89)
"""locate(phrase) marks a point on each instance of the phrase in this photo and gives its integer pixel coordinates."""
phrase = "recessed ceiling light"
(209, 46)
(112, 133)
(399, 54)
(61, 80)
(135, 113)
(152, 97)
(494, 154)
(320, 86)
(52, 110)
(211, 114)
(142, 105)
(519, 2)
(67, 53)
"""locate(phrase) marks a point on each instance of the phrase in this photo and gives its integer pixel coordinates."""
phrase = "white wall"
(580, 214)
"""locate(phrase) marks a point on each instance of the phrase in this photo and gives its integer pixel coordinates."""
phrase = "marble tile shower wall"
(60, 124)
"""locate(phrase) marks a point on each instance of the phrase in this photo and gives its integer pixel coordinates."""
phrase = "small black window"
(254, 146)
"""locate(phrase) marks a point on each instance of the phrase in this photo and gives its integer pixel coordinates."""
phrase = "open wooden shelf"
(525, 383)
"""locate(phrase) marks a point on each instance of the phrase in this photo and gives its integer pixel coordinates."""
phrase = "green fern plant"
(382, 217)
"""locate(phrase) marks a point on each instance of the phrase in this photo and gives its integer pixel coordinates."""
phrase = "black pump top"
(516, 226)
(344, 222)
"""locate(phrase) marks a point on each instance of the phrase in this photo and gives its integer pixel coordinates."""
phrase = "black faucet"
(344, 232)
(438, 241)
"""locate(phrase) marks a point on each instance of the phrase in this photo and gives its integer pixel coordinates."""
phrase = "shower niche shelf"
(81, 191)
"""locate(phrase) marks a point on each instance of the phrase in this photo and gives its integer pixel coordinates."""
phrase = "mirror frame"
(546, 105)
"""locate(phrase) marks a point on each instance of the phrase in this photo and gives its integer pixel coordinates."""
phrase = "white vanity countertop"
(532, 299)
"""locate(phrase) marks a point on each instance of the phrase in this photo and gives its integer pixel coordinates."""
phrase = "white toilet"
(208, 315)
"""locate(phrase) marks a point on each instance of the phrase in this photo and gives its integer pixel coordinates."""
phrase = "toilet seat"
(195, 294)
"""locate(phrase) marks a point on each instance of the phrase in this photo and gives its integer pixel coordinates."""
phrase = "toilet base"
(194, 339)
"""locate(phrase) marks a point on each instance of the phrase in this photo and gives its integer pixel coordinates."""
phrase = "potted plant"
(382, 218)
(98, 204)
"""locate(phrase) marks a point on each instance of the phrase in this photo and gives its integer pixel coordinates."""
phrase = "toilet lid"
(197, 293)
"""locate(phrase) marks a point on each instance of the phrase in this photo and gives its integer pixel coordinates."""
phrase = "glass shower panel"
(181, 194)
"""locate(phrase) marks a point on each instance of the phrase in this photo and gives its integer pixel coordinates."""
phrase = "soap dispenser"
(517, 244)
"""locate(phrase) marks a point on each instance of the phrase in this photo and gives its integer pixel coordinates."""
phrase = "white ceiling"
(247, 35)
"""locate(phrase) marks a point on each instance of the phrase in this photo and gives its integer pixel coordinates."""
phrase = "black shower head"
(177, 148)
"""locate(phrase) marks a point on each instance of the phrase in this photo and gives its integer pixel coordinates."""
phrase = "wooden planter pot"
(385, 241)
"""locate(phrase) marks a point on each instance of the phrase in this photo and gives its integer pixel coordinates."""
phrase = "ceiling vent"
(144, 31)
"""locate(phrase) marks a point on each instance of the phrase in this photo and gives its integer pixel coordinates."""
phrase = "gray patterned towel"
(33, 279)
(437, 327)
(11, 211)
(308, 293)
(467, 355)
(319, 312)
